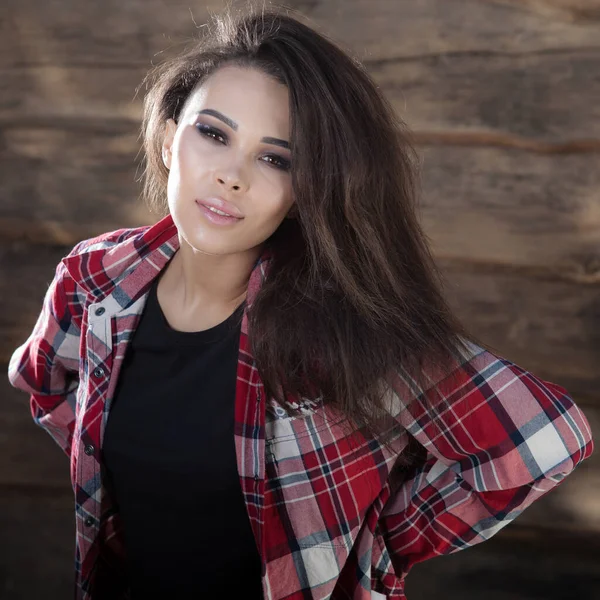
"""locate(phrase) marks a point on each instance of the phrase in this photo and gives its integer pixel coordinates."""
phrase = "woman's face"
(231, 142)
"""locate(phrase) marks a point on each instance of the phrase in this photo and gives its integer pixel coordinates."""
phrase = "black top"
(170, 462)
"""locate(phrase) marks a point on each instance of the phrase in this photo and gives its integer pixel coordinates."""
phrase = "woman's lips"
(220, 204)
(216, 218)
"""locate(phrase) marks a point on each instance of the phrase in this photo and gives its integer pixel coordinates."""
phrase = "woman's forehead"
(246, 97)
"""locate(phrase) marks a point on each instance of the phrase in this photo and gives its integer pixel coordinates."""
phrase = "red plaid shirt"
(327, 518)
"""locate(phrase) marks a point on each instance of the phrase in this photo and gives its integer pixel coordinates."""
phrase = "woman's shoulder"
(107, 255)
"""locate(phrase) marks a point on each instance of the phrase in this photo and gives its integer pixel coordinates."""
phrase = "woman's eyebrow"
(234, 126)
(220, 116)
(275, 142)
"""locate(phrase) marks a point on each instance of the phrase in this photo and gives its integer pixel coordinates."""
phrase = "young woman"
(265, 394)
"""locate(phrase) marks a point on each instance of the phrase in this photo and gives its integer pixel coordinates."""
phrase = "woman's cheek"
(192, 148)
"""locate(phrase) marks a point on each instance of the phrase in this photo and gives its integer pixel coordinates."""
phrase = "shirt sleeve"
(507, 438)
(46, 365)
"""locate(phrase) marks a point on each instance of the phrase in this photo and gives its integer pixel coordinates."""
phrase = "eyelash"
(205, 130)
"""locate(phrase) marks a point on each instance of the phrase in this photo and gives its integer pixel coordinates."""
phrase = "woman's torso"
(170, 463)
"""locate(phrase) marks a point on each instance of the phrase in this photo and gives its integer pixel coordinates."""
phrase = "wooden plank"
(37, 533)
(548, 326)
(28, 455)
(546, 97)
(27, 273)
(575, 11)
(382, 29)
(513, 208)
(83, 33)
(81, 93)
(49, 232)
(544, 564)
(551, 100)
(74, 181)
(72, 33)
(22, 290)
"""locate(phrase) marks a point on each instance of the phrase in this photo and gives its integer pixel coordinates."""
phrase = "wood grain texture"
(513, 209)
(575, 11)
(56, 179)
(493, 66)
(539, 565)
(84, 95)
(384, 29)
(71, 32)
(550, 327)
(546, 97)
(29, 457)
(27, 273)
(37, 534)
(67, 32)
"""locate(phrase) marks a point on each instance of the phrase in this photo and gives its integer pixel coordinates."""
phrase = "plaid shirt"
(329, 518)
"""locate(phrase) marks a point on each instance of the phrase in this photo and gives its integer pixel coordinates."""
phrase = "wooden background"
(504, 96)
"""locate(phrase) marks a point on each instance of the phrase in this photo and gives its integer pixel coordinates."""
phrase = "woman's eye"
(278, 162)
(209, 132)
(214, 134)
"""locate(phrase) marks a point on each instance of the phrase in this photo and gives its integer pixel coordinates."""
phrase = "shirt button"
(89, 521)
(89, 449)
(256, 478)
(100, 311)
(98, 372)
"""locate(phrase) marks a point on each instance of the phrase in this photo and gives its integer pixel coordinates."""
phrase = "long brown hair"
(353, 297)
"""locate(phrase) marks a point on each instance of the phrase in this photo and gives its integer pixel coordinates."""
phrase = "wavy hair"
(353, 298)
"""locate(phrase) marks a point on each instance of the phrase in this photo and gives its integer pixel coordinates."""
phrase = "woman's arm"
(508, 439)
(46, 365)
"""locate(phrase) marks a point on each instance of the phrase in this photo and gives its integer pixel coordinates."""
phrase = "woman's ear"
(167, 145)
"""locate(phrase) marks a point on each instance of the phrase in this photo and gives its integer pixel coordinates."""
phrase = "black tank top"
(170, 462)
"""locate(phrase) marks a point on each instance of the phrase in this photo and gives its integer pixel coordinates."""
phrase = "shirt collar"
(152, 245)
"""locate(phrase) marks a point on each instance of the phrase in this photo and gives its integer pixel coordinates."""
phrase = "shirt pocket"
(314, 480)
